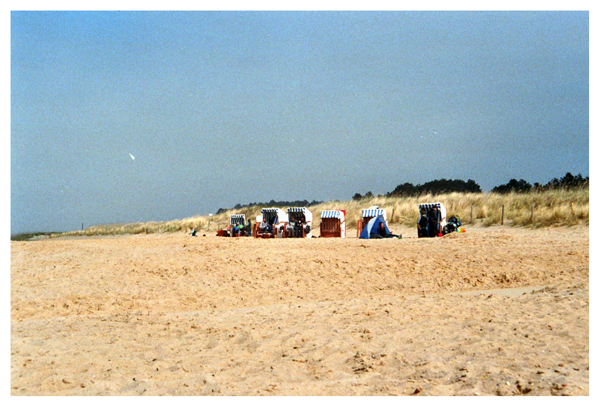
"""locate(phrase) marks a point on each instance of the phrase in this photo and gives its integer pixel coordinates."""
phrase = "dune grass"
(550, 208)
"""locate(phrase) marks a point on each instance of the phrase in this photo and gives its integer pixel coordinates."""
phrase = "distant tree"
(513, 186)
(569, 181)
(357, 197)
(406, 189)
(472, 186)
(368, 195)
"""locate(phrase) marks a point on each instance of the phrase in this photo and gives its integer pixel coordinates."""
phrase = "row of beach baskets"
(297, 223)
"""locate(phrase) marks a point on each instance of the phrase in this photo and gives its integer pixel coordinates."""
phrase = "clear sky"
(221, 108)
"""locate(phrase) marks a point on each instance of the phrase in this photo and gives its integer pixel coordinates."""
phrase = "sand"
(494, 311)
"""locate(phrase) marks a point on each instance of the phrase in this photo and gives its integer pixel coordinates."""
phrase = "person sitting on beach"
(382, 231)
(265, 226)
(290, 226)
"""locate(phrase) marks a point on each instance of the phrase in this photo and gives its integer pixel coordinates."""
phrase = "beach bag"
(456, 220)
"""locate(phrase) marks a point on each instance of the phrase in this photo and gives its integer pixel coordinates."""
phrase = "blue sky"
(221, 108)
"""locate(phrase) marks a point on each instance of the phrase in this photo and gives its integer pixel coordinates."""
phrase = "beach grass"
(560, 207)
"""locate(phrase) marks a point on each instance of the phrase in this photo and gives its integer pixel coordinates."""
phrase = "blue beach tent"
(372, 227)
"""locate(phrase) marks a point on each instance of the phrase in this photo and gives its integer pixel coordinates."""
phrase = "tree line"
(443, 186)
(435, 187)
(569, 181)
(273, 204)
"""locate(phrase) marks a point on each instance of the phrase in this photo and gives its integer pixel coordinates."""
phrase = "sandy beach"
(494, 311)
